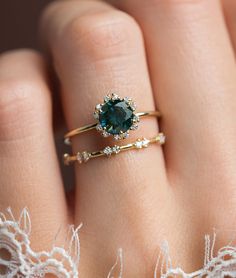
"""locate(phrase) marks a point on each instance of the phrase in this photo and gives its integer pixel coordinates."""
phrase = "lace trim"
(17, 259)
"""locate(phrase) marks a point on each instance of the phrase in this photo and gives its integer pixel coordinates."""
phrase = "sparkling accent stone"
(83, 157)
(145, 142)
(111, 150)
(96, 115)
(125, 135)
(116, 116)
(107, 98)
(141, 143)
(79, 157)
(105, 134)
(117, 137)
(108, 151)
(67, 141)
(138, 144)
(116, 149)
(128, 100)
(133, 106)
(114, 96)
(134, 127)
(98, 107)
(66, 158)
(162, 138)
(136, 119)
(86, 156)
(99, 127)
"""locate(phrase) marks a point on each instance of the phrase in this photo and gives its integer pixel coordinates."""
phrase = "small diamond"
(107, 98)
(162, 138)
(116, 149)
(67, 141)
(125, 135)
(117, 137)
(107, 151)
(79, 157)
(105, 134)
(134, 127)
(99, 127)
(114, 96)
(86, 156)
(136, 119)
(138, 144)
(128, 100)
(133, 106)
(66, 159)
(145, 142)
(96, 115)
(142, 143)
(98, 107)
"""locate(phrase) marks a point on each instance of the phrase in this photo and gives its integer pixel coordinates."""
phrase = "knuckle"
(21, 103)
(103, 32)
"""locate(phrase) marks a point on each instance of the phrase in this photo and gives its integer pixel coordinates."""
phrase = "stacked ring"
(115, 117)
(84, 156)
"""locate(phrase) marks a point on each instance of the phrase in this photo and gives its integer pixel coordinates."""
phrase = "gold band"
(82, 157)
(85, 128)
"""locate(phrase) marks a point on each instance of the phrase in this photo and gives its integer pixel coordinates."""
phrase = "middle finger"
(193, 72)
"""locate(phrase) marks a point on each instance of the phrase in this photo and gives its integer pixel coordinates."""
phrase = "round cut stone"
(116, 116)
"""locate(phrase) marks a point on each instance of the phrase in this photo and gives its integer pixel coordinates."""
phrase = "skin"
(175, 55)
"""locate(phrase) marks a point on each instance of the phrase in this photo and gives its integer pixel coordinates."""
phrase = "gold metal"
(84, 156)
(85, 128)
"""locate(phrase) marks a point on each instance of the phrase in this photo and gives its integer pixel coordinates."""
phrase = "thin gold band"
(93, 126)
(82, 157)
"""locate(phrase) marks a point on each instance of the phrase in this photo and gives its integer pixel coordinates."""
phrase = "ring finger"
(97, 49)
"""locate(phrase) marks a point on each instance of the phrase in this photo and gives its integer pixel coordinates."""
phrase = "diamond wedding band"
(108, 151)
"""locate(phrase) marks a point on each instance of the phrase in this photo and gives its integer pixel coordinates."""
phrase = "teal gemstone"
(116, 116)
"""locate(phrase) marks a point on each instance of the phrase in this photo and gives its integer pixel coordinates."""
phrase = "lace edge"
(19, 260)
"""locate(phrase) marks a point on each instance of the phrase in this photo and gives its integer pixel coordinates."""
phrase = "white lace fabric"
(18, 260)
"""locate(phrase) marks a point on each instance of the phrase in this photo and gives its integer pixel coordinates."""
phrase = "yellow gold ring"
(116, 116)
(108, 151)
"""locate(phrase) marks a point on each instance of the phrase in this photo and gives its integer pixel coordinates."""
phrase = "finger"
(29, 169)
(193, 74)
(97, 49)
(229, 7)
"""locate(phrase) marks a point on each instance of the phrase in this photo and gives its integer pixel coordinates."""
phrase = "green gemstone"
(116, 116)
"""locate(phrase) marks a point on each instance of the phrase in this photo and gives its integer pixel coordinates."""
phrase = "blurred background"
(19, 23)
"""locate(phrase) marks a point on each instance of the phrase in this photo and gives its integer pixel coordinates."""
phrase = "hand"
(174, 55)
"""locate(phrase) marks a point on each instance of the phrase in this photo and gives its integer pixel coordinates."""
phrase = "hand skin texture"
(174, 55)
